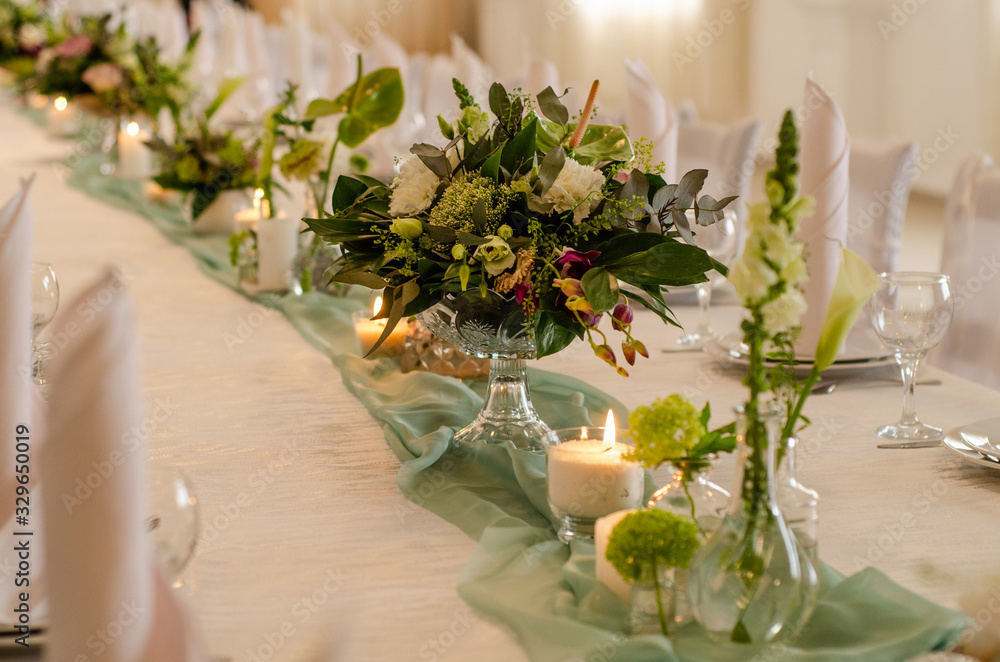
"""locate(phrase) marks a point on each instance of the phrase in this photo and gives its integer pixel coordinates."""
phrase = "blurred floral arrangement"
(119, 75)
(533, 206)
(25, 31)
(206, 161)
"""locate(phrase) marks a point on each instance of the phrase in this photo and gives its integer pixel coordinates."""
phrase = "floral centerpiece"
(203, 162)
(531, 207)
(121, 76)
(751, 581)
(25, 31)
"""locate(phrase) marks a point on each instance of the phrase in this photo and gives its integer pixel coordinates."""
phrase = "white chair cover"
(471, 70)
(542, 73)
(439, 94)
(970, 256)
(651, 115)
(881, 174)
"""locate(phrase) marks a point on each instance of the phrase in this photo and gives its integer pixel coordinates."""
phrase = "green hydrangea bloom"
(663, 431)
(651, 540)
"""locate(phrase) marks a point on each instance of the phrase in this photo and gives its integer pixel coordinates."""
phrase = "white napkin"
(825, 153)
(542, 73)
(20, 403)
(651, 115)
(102, 567)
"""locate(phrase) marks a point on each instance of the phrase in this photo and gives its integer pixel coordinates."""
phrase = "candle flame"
(609, 431)
(61, 103)
(133, 128)
(257, 195)
(377, 307)
(583, 433)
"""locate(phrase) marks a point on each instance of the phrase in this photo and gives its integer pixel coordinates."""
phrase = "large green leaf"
(550, 337)
(346, 191)
(519, 153)
(597, 288)
(602, 143)
(670, 263)
(371, 103)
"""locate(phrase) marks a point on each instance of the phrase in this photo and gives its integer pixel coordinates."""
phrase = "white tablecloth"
(306, 537)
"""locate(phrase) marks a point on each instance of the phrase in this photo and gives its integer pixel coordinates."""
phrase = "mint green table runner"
(521, 574)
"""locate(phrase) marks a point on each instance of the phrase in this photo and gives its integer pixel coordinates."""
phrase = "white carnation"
(574, 189)
(413, 189)
(32, 37)
(784, 313)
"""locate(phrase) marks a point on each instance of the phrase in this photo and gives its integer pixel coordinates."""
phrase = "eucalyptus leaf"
(689, 186)
(432, 157)
(479, 219)
(550, 168)
(552, 107)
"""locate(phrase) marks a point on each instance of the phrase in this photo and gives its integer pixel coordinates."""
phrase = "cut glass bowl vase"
(492, 327)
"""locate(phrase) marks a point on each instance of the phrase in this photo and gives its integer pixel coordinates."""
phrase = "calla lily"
(856, 282)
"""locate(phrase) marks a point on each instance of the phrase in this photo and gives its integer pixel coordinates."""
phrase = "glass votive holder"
(370, 330)
(588, 479)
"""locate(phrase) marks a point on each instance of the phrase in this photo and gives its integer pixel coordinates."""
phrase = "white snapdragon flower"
(413, 189)
(751, 276)
(574, 189)
(784, 313)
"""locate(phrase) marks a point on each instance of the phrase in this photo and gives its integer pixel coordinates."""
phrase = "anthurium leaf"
(372, 103)
(345, 192)
(602, 143)
(597, 288)
(519, 153)
(552, 107)
(550, 168)
(549, 134)
(550, 337)
(226, 88)
(318, 108)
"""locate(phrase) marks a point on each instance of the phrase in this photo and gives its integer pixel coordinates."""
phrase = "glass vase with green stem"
(749, 576)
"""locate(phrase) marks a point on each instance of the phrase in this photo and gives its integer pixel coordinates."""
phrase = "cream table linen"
(304, 527)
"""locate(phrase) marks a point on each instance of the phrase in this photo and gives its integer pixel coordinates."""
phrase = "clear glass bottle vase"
(691, 494)
(800, 508)
(748, 581)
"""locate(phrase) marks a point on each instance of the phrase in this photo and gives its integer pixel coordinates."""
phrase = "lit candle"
(62, 118)
(589, 479)
(277, 245)
(135, 160)
(605, 572)
(370, 330)
(246, 219)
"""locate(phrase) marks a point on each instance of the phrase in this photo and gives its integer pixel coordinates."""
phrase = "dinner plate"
(983, 436)
(956, 443)
(858, 353)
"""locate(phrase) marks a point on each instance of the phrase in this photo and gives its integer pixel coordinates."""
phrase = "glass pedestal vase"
(493, 327)
(749, 580)
(691, 494)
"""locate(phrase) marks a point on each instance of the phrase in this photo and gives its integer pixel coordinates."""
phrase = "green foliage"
(647, 541)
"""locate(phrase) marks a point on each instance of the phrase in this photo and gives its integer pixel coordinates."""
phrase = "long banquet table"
(306, 540)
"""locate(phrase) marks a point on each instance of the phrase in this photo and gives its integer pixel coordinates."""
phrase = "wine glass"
(911, 312)
(174, 520)
(44, 302)
(719, 241)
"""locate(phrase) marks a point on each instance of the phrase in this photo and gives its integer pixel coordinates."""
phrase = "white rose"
(574, 189)
(32, 37)
(413, 189)
(784, 313)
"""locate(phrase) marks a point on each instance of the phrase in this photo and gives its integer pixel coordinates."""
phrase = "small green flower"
(664, 430)
(495, 255)
(408, 228)
(302, 160)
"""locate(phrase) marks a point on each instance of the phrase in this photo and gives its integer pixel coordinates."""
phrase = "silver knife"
(931, 443)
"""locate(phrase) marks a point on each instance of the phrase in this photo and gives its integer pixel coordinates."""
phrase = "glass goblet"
(911, 312)
(719, 241)
(173, 522)
(44, 302)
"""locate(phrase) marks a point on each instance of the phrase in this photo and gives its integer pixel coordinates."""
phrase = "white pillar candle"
(135, 160)
(589, 479)
(605, 572)
(277, 244)
(62, 118)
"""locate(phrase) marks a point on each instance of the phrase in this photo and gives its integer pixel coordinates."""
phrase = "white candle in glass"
(135, 160)
(588, 477)
(370, 330)
(61, 118)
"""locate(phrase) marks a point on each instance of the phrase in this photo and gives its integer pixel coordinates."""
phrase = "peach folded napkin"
(652, 116)
(107, 588)
(825, 152)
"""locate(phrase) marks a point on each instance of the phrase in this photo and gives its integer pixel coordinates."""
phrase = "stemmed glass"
(911, 312)
(173, 522)
(44, 302)
(719, 241)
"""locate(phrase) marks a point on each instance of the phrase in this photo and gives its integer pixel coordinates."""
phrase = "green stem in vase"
(664, 626)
